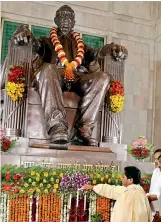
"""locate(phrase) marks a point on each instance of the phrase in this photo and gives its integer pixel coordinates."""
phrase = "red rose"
(16, 190)
(18, 183)
(8, 173)
(12, 184)
(15, 177)
(25, 172)
(7, 187)
(18, 175)
(7, 178)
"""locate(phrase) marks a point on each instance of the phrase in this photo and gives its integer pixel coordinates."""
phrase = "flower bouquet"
(140, 149)
(116, 96)
(145, 182)
(16, 82)
(5, 143)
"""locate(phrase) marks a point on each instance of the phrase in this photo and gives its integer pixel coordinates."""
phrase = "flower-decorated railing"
(53, 194)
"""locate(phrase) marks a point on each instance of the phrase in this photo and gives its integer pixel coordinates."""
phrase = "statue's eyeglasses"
(66, 14)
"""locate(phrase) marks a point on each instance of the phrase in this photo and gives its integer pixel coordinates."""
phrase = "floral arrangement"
(116, 96)
(19, 180)
(72, 181)
(40, 194)
(69, 66)
(16, 82)
(145, 182)
(5, 143)
(140, 149)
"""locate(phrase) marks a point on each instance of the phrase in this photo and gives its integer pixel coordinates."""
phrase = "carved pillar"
(14, 113)
(111, 130)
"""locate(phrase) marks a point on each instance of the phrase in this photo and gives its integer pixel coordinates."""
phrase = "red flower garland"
(17, 74)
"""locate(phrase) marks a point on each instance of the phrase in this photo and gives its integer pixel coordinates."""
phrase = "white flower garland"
(111, 209)
(62, 200)
(5, 208)
(65, 210)
(92, 205)
(30, 210)
(69, 206)
(8, 202)
(85, 201)
(2, 206)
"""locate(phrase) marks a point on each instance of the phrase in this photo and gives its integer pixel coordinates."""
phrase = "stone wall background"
(135, 25)
(157, 120)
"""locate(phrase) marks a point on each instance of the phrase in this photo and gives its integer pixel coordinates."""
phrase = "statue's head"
(65, 19)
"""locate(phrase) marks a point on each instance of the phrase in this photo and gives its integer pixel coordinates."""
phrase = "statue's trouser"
(90, 87)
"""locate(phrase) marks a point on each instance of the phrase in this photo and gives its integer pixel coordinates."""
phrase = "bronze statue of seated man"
(64, 63)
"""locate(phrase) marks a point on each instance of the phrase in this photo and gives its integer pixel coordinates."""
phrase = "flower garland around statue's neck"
(68, 73)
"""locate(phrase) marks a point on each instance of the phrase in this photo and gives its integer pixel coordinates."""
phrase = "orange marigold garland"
(69, 66)
(103, 208)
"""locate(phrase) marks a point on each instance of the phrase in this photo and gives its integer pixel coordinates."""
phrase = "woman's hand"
(88, 187)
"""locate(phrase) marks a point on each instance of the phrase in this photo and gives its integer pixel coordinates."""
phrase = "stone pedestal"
(116, 153)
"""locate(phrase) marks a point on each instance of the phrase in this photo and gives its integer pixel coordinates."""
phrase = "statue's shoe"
(59, 138)
(58, 134)
(84, 141)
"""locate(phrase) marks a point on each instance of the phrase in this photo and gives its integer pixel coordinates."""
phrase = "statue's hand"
(23, 35)
(118, 52)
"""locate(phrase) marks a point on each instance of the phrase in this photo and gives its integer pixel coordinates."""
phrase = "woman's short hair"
(134, 173)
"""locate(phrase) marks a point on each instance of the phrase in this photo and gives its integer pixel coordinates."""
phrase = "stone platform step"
(72, 148)
(23, 150)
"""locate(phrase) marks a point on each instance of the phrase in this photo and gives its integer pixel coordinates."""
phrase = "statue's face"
(65, 22)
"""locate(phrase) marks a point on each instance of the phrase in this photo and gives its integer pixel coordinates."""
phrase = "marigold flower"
(37, 179)
(30, 190)
(52, 179)
(44, 180)
(32, 173)
(46, 191)
(48, 186)
(46, 174)
(56, 186)
(26, 185)
(34, 184)
(61, 175)
(102, 179)
(22, 191)
(91, 175)
(29, 180)
(54, 172)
